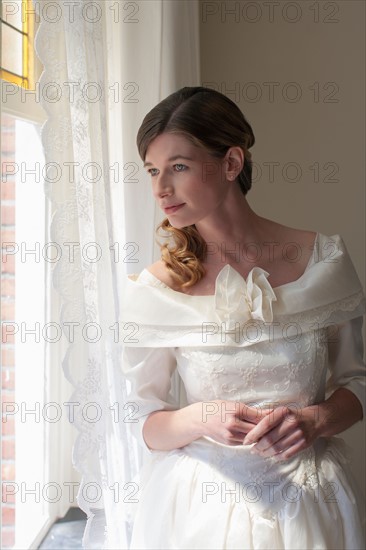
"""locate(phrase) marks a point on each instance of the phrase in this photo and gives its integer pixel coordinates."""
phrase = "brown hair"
(212, 121)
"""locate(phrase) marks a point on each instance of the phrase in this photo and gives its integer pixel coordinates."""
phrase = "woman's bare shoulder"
(284, 234)
(292, 251)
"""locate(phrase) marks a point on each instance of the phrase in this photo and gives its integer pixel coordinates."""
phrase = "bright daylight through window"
(25, 458)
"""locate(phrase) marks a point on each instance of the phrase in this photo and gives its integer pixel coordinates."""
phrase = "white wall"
(263, 62)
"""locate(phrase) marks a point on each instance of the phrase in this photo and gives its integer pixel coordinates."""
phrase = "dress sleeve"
(345, 359)
(149, 371)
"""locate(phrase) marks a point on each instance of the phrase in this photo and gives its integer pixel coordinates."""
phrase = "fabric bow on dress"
(238, 300)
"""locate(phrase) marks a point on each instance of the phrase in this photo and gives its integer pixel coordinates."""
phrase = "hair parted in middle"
(209, 120)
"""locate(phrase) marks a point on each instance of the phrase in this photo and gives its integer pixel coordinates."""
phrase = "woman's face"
(187, 182)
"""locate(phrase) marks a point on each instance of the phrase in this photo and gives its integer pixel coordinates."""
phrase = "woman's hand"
(286, 432)
(274, 430)
(228, 422)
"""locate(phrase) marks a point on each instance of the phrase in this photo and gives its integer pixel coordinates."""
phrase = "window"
(33, 469)
(23, 308)
(17, 37)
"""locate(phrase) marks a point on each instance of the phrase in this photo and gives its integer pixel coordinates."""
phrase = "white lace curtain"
(106, 64)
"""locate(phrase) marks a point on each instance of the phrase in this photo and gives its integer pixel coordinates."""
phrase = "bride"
(263, 324)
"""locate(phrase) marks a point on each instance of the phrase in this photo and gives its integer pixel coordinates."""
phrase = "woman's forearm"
(167, 430)
(338, 413)
(227, 422)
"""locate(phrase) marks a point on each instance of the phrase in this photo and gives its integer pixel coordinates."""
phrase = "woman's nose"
(162, 186)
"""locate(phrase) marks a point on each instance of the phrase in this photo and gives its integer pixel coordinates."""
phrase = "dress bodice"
(266, 372)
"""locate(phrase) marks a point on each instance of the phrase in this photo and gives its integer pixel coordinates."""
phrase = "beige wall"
(301, 85)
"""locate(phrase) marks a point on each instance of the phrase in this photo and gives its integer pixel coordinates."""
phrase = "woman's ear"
(234, 160)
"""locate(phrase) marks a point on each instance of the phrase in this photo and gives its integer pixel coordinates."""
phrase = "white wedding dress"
(258, 345)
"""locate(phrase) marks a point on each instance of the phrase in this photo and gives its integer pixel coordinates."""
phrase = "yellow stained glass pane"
(9, 77)
(12, 12)
(12, 50)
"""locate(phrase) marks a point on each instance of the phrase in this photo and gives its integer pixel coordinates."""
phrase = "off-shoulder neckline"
(210, 296)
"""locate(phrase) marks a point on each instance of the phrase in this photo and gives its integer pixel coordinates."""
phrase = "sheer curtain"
(106, 63)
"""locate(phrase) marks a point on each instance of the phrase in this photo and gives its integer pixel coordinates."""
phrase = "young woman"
(252, 314)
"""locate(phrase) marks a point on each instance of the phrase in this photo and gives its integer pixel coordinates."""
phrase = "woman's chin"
(177, 224)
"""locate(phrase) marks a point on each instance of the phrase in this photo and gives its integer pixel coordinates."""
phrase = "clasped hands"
(279, 431)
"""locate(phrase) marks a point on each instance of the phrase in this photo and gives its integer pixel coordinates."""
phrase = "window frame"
(24, 103)
(29, 59)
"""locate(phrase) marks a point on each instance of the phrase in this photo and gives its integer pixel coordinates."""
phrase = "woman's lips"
(172, 209)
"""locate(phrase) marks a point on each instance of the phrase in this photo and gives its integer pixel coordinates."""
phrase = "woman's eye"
(152, 171)
(180, 167)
